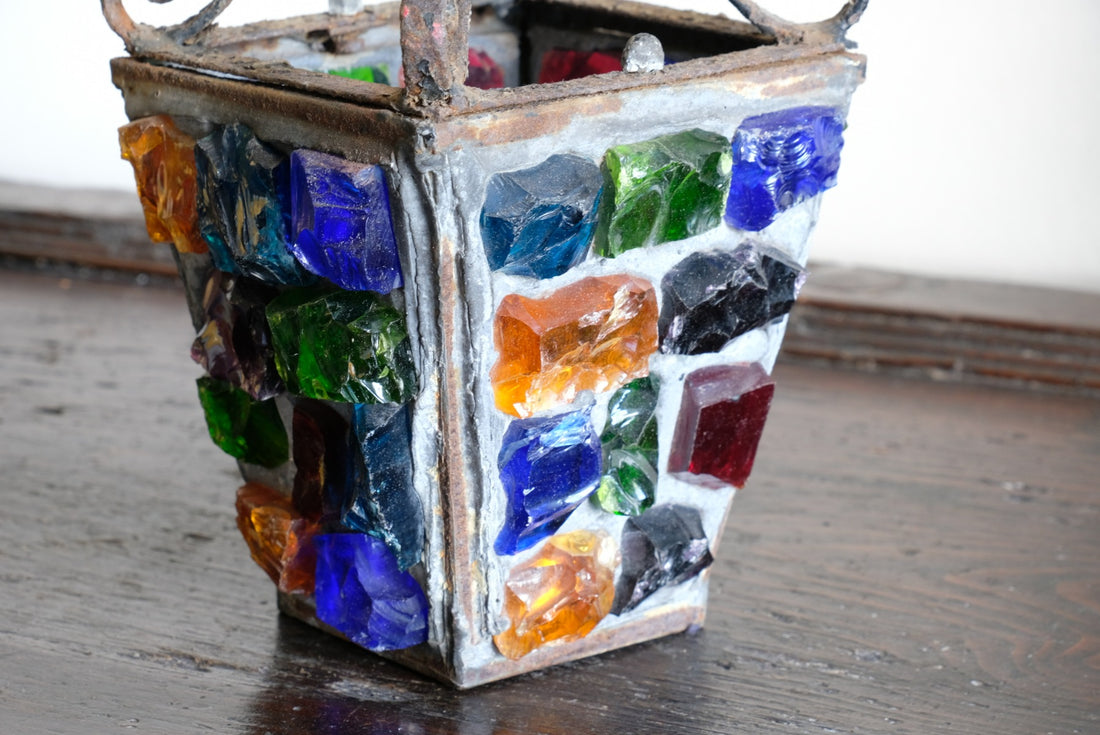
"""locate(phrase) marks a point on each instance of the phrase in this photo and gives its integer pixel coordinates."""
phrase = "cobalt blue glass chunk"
(341, 224)
(712, 296)
(241, 206)
(382, 501)
(538, 222)
(781, 159)
(548, 466)
(361, 592)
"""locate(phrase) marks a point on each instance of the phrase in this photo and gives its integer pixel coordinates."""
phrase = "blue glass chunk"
(340, 220)
(362, 593)
(383, 502)
(712, 296)
(241, 206)
(548, 466)
(538, 222)
(781, 159)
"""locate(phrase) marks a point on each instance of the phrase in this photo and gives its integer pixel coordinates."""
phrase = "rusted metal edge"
(785, 32)
(339, 89)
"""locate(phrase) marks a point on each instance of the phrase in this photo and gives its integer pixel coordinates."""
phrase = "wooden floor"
(909, 557)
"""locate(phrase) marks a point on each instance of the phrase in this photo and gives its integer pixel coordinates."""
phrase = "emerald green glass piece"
(664, 189)
(376, 74)
(349, 346)
(243, 428)
(628, 486)
(629, 439)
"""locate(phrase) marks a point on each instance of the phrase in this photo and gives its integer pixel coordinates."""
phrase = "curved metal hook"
(139, 36)
(786, 32)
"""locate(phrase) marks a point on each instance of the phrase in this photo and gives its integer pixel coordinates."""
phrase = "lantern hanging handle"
(140, 37)
(787, 33)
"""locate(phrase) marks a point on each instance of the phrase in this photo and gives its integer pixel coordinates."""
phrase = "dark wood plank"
(909, 557)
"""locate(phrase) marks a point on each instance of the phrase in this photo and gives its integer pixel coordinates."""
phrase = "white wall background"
(973, 149)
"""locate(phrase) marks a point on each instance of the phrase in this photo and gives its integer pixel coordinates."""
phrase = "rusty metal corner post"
(434, 54)
(141, 39)
(786, 33)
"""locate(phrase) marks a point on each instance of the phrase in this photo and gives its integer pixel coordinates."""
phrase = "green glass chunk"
(628, 486)
(376, 74)
(664, 189)
(629, 482)
(249, 430)
(349, 346)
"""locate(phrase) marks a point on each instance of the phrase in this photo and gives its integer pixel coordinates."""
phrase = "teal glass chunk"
(538, 222)
(249, 430)
(349, 346)
(629, 482)
(242, 206)
(383, 501)
(664, 189)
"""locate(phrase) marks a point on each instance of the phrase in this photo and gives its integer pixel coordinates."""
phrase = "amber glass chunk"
(560, 594)
(595, 334)
(279, 539)
(163, 158)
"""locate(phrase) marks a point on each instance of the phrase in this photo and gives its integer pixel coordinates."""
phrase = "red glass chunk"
(722, 416)
(484, 72)
(560, 64)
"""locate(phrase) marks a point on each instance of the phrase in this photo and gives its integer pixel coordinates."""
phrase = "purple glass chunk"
(664, 546)
(241, 208)
(712, 296)
(781, 159)
(341, 225)
(548, 466)
(234, 343)
(362, 593)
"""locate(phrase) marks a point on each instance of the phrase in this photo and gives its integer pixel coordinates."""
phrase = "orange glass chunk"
(163, 158)
(560, 594)
(278, 538)
(596, 334)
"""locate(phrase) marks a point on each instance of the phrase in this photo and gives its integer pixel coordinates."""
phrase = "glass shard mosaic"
(548, 466)
(713, 296)
(546, 484)
(539, 221)
(249, 430)
(340, 222)
(163, 159)
(722, 416)
(361, 592)
(629, 439)
(241, 187)
(781, 159)
(560, 594)
(664, 546)
(663, 189)
(341, 346)
(593, 335)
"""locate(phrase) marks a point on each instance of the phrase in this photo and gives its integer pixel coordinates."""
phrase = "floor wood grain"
(909, 557)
